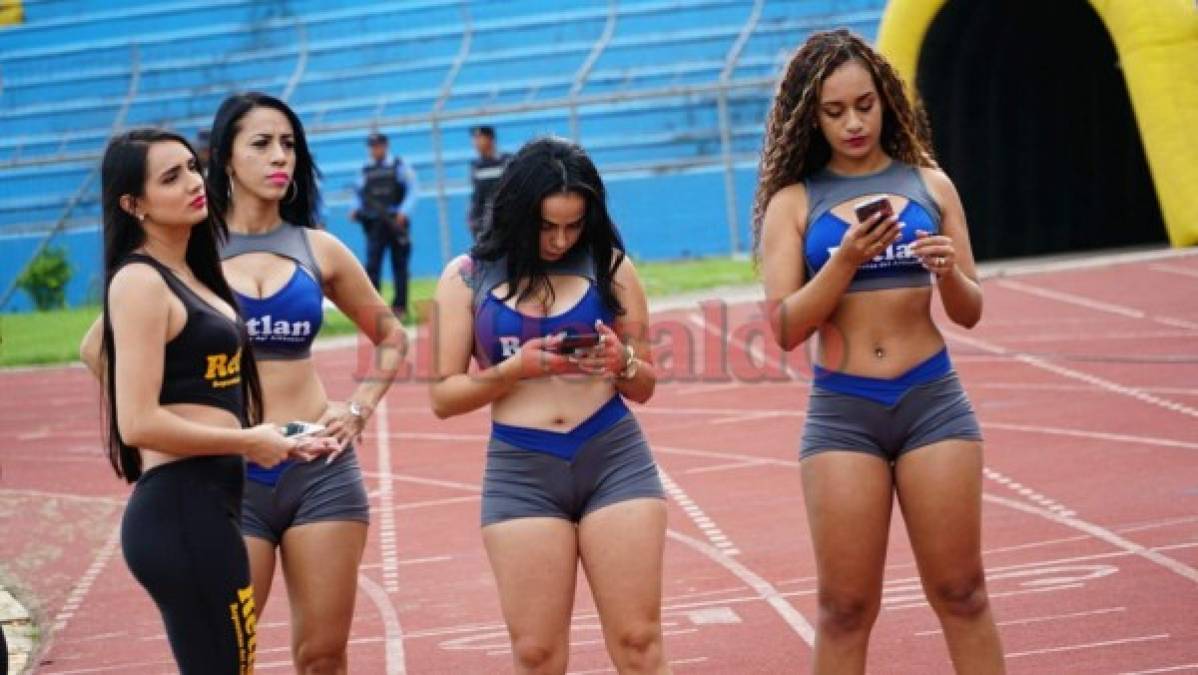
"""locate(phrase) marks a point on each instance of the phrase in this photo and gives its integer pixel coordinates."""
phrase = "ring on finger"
(939, 260)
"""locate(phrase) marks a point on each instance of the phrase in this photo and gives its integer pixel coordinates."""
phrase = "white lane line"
(722, 467)
(387, 539)
(1109, 335)
(436, 502)
(922, 603)
(392, 631)
(1005, 269)
(40, 494)
(437, 436)
(712, 412)
(1108, 385)
(1156, 524)
(765, 591)
(1039, 386)
(1191, 667)
(84, 585)
(468, 487)
(1094, 435)
(125, 667)
(1027, 492)
(1041, 619)
(1174, 269)
(1098, 532)
(749, 416)
(727, 456)
(1090, 303)
(1088, 645)
(701, 520)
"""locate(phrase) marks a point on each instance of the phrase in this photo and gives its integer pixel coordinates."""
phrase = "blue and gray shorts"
(302, 493)
(888, 418)
(539, 473)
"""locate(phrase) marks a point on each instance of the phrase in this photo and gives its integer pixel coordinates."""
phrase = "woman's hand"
(342, 425)
(540, 357)
(866, 240)
(609, 358)
(935, 252)
(268, 446)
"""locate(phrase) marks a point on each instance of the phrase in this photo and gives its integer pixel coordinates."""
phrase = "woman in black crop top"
(180, 392)
(887, 415)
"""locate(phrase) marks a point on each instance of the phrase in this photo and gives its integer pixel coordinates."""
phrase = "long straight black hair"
(544, 167)
(123, 172)
(301, 201)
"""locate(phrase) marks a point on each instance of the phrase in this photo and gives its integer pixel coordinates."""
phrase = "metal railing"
(584, 71)
(60, 225)
(730, 62)
(301, 63)
(438, 107)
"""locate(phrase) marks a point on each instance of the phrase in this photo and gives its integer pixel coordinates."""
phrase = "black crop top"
(202, 364)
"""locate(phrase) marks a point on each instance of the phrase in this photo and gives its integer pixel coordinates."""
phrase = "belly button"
(558, 421)
(879, 352)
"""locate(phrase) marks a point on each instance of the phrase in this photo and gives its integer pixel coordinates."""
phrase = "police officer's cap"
(376, 139)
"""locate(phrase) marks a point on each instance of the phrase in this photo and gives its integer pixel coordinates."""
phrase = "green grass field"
(53, 337)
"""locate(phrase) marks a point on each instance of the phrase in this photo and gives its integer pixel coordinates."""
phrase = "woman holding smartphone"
(569, 475)
(311, 516)
(887, 415)
(180, 388)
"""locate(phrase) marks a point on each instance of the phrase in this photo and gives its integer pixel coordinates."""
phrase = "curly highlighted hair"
(794, 146)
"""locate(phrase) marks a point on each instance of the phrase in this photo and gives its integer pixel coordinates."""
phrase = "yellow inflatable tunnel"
(10, 12)
(1156, 42)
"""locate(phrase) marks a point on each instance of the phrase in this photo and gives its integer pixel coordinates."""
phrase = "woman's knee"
(320, 657)
(844, 613)
(537, 655)
(638, 645)
(961, 598)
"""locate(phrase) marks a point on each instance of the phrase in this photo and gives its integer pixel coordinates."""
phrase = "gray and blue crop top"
(896, 267)
(283, 325)
(499, 330)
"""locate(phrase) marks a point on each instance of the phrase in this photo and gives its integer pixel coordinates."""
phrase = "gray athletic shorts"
(613, 466)
(926, 413)
(307, 492)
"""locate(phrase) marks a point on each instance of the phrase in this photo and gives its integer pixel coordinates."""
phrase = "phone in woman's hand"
(868, 208)
(298, 430)
(577, 341)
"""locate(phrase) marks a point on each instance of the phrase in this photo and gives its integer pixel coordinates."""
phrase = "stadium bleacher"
(636, 80)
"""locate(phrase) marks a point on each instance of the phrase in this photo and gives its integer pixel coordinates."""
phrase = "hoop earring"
(294, 192)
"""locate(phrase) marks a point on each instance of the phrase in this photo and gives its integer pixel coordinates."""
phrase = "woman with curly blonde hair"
(854, 223)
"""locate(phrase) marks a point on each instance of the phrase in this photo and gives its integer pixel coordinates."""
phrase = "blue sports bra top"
(896, 267)
(282, 325)
(499, 330)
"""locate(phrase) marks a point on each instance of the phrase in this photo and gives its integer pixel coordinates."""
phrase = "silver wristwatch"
(358, 410)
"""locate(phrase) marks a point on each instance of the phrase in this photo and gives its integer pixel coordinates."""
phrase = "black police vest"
(381, 190)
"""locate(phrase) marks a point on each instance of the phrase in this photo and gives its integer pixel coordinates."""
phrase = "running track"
(1086, 383)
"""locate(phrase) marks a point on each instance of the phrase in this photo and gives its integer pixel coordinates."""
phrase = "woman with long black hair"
(312, 516)
(180, 391)
(569, 475)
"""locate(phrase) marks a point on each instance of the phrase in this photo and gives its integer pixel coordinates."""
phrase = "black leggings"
(182, 541)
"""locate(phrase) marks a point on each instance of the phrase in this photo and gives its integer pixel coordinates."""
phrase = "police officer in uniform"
(485, 171)
(386, 196)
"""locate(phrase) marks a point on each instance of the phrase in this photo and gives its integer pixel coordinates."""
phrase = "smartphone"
(577, 341)
(301, 429)
(868, 208)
